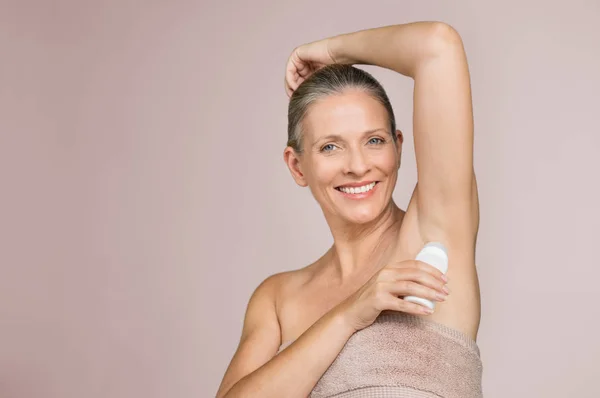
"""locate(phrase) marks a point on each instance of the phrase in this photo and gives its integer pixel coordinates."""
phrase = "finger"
(291, 72)
(422, 266)
(304, 70)
(289, 80)
(286, 86)
(422, 277)
(296, 64)
(291, 84)
(401, 305)
(409, 288)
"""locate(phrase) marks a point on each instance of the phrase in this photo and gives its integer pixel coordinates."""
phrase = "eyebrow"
(339, 137)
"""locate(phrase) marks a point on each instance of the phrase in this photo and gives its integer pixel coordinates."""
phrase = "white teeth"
(363, 189)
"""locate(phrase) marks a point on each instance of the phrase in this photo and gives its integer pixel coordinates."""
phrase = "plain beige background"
(144, 195)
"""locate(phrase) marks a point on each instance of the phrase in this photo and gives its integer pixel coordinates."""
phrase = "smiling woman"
(345, 327)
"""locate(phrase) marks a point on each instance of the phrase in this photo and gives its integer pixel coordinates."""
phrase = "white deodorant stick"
(435, 254)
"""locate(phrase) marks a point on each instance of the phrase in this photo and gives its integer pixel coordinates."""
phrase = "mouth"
(358, 192)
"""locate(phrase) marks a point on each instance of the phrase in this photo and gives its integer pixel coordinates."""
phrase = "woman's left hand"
(304, 61)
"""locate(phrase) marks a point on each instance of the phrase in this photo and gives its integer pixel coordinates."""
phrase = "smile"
(357, 190)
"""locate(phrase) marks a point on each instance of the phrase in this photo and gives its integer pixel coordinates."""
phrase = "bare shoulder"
(282, 286)
(288, 285)
(276, 286)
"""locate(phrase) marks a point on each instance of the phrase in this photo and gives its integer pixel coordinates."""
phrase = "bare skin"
(307, 294)
(369, 268)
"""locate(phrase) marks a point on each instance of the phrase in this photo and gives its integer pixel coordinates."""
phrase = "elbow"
(443, 36)
(443, 31)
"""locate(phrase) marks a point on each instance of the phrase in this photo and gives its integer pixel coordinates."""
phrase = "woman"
(345, 328)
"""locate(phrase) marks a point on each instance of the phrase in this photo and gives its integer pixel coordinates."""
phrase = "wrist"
(336, 48)
(340, 318)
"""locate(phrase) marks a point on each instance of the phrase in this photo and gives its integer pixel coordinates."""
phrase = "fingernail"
(444, 278)
(440, 296)
(428, 310)
(445, 289)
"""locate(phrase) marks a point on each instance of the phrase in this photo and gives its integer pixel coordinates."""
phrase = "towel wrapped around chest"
(405, 356)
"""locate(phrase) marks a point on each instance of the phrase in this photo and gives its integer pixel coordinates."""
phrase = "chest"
(303, 304)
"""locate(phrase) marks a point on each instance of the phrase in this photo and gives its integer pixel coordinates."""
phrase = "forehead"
(353, 112)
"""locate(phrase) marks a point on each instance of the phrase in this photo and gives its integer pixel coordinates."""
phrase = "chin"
(362, 216)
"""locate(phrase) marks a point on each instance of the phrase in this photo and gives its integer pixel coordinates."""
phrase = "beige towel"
(402, 355)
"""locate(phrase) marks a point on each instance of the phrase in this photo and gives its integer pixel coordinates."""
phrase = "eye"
(328, 148)
(377, 140)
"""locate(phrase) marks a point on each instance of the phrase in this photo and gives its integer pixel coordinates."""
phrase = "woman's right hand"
(304, 61)
(386, 289)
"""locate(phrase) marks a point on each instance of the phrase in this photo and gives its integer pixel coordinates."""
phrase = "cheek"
(324, 171)
(387, 162)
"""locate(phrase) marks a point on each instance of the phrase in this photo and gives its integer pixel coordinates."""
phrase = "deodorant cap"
(436, 254)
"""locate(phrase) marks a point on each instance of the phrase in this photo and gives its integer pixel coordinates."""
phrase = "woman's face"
(350, 161)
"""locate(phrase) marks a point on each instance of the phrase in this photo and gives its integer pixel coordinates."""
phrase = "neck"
(361, 249)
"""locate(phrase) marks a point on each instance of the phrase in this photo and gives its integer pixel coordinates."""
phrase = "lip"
(359, 196)
(356, 184)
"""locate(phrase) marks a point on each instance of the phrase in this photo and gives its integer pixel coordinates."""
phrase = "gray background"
(144, 194)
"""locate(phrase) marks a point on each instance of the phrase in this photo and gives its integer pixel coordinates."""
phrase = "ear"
(399, 142)
(400, 137)
(292, 160)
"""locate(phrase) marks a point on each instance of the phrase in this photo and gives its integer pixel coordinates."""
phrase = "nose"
(357, 162)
